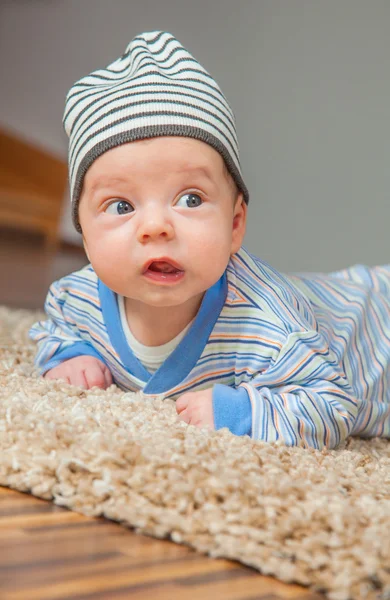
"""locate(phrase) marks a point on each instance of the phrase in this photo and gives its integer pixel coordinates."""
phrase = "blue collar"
(184, 357)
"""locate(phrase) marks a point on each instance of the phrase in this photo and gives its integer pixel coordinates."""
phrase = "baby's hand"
(196, 408)
(84, 371)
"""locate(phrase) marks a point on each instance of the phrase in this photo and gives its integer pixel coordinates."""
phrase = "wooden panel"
(33, 164)
(32, 188)
(28, 270)
(48, 552)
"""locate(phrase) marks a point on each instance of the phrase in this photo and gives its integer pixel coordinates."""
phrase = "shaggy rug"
(321, 519)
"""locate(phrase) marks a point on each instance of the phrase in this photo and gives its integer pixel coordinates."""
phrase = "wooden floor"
(26, 270)
(48, 552)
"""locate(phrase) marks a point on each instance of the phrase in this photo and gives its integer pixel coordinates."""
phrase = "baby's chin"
(162, 299)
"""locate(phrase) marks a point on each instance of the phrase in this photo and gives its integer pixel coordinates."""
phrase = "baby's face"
(163, 197)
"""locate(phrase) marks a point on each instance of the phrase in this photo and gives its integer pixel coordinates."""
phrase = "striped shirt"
(303, 358)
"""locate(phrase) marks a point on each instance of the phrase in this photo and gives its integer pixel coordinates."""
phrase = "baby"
(171, 303)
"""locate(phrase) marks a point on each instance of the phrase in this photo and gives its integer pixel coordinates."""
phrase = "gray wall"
(308, 81)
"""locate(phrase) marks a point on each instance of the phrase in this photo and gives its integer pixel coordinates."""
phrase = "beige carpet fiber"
(321, 519)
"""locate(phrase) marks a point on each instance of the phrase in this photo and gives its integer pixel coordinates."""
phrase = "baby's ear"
(239, 224)
(86, 248)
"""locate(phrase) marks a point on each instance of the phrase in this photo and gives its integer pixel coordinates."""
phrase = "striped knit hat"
(155, 88)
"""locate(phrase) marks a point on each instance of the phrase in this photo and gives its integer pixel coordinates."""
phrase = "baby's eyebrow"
(111, 180)
(104, 181)
(202, 170)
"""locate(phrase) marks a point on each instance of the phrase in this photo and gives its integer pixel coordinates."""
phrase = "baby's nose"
(155, 223)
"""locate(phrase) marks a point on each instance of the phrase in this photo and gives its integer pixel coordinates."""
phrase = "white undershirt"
(152, 357)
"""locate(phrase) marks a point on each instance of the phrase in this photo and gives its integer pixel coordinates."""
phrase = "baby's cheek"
(215, 252)
(108, 265)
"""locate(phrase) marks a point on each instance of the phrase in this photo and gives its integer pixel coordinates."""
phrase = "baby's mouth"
(163, 267)
(163, 272)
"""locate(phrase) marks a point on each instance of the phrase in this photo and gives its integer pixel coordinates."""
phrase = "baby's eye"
(119, 207)
(190, 200)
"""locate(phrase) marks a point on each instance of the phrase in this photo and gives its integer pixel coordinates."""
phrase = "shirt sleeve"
(304, 398)
(57, 337)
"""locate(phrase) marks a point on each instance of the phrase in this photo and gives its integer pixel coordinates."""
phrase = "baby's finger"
(185, 416)
(95, 377)
(54, 376)
(182, 403)
(78, 378)
(107, 377)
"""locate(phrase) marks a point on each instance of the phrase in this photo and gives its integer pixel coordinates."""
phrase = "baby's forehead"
(163, 159)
